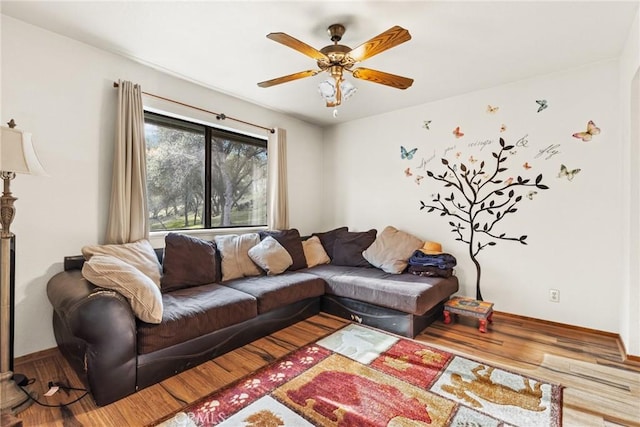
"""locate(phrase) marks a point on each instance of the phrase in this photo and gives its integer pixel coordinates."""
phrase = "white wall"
(630, 153)
(61, 91)
(574, 229)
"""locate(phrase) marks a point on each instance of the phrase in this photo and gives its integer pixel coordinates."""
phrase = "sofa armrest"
(102, 321)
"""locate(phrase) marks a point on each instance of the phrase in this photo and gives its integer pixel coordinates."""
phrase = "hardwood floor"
(600, 388)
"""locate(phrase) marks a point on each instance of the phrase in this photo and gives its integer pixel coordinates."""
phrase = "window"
(199, 176)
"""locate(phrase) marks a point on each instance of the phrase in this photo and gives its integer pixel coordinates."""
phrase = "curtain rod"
(219, 116)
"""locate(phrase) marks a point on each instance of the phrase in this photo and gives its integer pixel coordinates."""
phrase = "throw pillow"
(139, 254)
(392, 249)
(328, 239)
(314, 252)
(234, 251)
(271, 256)
(348, 248)
(291, 241)
(188, 261)
(143, 295)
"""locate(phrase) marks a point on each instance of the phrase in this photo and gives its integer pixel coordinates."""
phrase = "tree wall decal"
(479, 200)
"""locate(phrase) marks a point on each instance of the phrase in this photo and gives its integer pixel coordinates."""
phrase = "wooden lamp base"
(12, 398)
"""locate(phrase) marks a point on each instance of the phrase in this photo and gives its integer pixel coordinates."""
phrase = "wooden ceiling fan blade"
(296, 44)
(390, 38)
(375, 76)
(289, 78)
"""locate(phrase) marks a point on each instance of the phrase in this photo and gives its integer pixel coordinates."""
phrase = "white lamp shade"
(17, 153)
(327, 89)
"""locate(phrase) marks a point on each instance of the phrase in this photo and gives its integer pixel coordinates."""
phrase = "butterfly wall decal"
(457, 132)
(407, 172)
(542, 104)
(527, 165)
(419, 178)
(503, 127)
(426, 124)
(458, 154)
(592, 129)
(530, 194)
(491, 109)
(404, 154)
(568, 173)
(472, 159)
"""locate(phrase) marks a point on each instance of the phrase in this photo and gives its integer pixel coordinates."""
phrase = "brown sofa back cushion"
(348, 248)
(188, 261)
(328, 239)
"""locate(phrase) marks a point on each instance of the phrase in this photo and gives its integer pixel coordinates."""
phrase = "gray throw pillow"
(271, 256)
(392, 249)
(291, 241)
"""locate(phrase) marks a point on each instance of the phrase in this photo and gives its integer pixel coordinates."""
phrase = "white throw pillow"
(391, 250)
(314, 252)
(234, 251)
(143, 295)
(139, 254)
(271, 256)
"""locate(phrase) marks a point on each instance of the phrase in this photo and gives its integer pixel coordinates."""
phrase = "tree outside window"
(202, 177)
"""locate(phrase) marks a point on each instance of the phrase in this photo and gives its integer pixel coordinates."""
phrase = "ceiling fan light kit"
(336, 59)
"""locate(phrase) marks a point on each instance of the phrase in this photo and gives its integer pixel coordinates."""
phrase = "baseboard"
(633, 359)
(562, 325)
(623, 351)
(41, 354)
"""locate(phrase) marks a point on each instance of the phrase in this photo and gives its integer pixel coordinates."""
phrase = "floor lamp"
(16, 156)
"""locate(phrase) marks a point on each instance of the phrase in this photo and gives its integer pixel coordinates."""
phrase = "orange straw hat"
(431, 248)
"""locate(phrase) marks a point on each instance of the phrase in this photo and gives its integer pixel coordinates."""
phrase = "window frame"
(210, 131)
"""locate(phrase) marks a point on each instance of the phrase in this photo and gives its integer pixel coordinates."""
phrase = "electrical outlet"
(554, 295)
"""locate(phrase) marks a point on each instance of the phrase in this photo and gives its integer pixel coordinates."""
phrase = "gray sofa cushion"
(192, 312)
(404, 292)
(277, 291)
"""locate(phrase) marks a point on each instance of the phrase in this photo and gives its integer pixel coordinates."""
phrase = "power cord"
(51, 384)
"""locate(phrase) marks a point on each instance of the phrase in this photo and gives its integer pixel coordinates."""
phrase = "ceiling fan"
(336, 59)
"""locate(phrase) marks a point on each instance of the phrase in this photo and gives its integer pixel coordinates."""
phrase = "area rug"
(362, 377)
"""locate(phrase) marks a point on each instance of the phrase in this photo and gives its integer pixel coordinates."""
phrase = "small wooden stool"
(482, 310)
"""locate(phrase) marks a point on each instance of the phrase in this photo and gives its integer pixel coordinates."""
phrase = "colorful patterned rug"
(363, 377)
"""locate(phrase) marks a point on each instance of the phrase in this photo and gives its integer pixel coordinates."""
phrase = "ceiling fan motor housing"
(336, 31)
(336, 54)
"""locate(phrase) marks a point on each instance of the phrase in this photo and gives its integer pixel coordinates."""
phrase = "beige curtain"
(278, 207)
(128, 212)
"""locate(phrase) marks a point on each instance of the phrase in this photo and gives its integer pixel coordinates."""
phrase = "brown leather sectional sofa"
(115, 354)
